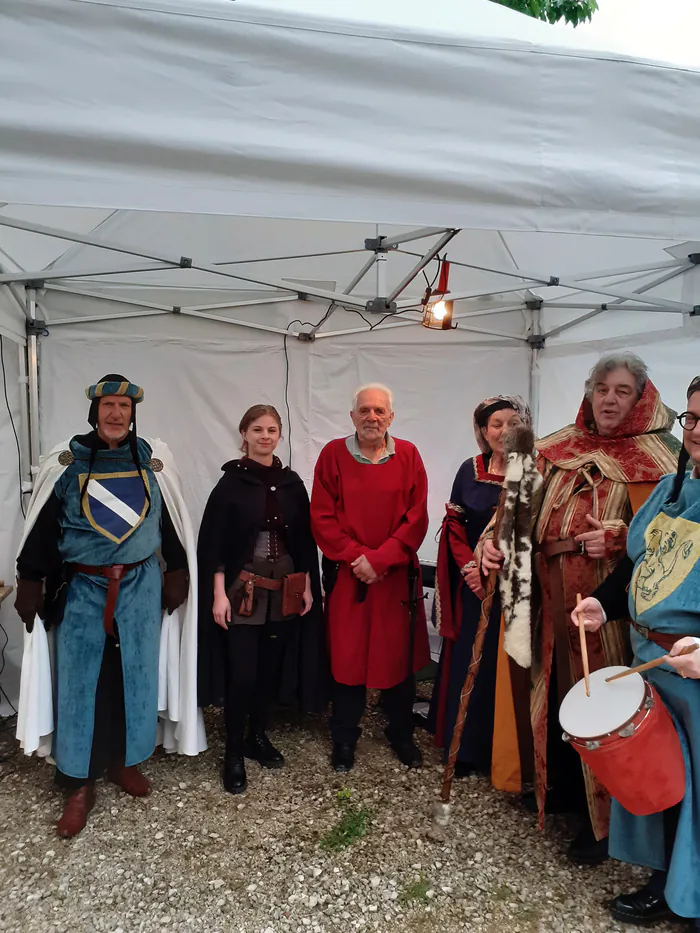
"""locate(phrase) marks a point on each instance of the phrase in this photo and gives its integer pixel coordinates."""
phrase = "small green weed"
(416, 891)
(353, 823)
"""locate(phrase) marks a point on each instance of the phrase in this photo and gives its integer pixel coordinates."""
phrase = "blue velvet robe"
(664, 595)
(477, 497)
(80, 638)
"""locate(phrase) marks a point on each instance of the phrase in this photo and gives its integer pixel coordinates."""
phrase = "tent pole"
(33, 383)
(534, 377)
(24, 446)
(618, 305)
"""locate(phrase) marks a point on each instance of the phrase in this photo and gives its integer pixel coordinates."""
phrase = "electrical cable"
(329, 311)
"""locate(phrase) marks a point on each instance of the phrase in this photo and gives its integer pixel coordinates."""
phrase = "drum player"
(659, 582)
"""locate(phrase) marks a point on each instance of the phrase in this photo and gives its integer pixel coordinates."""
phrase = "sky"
(668, 30)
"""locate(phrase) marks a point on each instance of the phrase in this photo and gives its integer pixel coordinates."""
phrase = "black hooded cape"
(233, 518)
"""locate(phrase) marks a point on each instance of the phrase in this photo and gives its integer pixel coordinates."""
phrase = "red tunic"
(379, 510)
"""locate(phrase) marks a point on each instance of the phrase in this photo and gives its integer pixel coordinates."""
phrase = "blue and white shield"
(116, 503)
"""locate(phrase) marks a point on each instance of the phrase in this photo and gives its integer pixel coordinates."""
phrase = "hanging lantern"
(437, 310)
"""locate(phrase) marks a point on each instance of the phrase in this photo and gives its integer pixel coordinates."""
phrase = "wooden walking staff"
(521, 438)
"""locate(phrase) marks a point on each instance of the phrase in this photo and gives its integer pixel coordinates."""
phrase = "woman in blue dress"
(458, 591)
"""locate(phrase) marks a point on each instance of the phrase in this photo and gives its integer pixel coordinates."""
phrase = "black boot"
(235, 780)
(587, 850)
(343, 756)
(260, 748)
(648, 905)
(408, 753)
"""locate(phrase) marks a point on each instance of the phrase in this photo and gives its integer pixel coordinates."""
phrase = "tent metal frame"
(386, 302)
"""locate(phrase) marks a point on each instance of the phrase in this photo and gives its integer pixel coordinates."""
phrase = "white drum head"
(607, 708)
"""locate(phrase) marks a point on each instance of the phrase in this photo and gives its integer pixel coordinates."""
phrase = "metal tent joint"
(380, 306)
(185, 262)
(536, 341)
(36, 328)
(694, 258)
(534, 304)
(376, 244)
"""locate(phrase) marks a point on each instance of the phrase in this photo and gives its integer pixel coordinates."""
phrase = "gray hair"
(606, 364)
(378, 387)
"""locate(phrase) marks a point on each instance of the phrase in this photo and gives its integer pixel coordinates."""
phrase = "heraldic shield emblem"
(116, 503)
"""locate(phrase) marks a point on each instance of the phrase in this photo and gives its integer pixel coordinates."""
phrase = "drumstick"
(648, 666)
(584, 647)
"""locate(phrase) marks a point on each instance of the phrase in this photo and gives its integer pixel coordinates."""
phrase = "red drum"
(626, 736)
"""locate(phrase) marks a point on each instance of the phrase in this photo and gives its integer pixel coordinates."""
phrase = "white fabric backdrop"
(200, 379)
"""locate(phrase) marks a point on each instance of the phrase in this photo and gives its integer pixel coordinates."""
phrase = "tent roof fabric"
(249, 109)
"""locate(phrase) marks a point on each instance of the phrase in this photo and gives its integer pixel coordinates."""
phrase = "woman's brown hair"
(255, 412)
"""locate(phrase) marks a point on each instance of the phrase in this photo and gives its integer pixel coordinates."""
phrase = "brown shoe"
(75, 811)
(130, 780)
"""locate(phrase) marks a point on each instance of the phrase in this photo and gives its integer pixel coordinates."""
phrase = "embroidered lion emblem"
(663, 552)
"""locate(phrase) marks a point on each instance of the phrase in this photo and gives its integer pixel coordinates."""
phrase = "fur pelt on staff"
(522, 487)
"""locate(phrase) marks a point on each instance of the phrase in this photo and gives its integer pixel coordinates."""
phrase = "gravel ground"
(192, 857)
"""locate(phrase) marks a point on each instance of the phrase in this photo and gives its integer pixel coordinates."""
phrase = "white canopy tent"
(233, 202)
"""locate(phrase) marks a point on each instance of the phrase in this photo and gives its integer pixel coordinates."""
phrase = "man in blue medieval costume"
(105, 511)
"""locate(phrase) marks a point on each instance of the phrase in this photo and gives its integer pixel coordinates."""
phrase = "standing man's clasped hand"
(364, 571)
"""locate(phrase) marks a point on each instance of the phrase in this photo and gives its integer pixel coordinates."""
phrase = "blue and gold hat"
(114, 384)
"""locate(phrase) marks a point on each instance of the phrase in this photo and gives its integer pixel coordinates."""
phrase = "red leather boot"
(129, 779)
(76, 810)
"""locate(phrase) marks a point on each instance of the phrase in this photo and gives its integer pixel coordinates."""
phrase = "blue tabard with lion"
(664, 595)
(115, 525)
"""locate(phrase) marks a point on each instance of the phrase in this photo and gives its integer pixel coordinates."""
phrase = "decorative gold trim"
(156, 464)
(66, 458)
(82, 477)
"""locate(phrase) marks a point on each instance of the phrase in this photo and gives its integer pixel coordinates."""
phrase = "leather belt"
(265, 583)
(663, 639)
(565, 546)
(113, 573)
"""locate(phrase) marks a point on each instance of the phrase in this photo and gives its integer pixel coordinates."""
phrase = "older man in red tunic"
(369, 517)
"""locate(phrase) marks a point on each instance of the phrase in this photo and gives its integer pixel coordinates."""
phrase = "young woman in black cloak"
(252, 651)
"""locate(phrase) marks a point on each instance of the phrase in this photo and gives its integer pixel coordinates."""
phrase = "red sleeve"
(329, 534)
(615, 539)
(402, 546)
(457, 540)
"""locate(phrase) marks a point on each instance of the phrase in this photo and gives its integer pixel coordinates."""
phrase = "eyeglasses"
(688, 420)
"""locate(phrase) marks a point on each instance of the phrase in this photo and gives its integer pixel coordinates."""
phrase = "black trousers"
(109, 735)
(564, 769)
(349, 704)
(253, 666)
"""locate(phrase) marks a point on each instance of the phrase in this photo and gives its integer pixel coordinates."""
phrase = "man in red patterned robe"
(596, 472)
(369, 517)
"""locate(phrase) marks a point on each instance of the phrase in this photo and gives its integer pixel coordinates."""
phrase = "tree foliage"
(551, 11)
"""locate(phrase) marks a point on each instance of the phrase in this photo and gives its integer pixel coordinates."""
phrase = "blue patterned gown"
(664, 595)
(104, 537)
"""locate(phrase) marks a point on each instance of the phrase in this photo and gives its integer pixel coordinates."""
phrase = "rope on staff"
(518, 445)
(473, 669)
